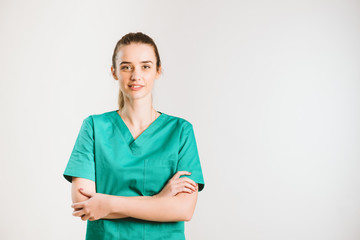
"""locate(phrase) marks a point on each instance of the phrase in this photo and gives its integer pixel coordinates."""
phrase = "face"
(136, 66)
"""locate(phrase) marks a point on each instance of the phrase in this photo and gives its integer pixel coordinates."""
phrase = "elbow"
(188, 217)
(187, 203)
(189, 214)
(87, 184)
(183, 213)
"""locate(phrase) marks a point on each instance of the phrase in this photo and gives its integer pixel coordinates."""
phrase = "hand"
(96, 207)
(176, 185)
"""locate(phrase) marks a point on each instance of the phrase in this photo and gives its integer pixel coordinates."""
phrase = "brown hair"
(127, 39)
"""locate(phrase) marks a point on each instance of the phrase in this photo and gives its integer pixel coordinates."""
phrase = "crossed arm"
(162, 209)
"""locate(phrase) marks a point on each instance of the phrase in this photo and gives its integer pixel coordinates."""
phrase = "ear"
(113, 73)
(158, 73)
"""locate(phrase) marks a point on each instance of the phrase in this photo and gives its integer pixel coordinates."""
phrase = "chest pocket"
(157, 172)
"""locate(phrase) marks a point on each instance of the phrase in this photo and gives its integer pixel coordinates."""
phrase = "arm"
(89, 186)
(84, 183)
(162, 209)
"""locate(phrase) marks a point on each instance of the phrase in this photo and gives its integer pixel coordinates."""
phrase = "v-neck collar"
(128, 137)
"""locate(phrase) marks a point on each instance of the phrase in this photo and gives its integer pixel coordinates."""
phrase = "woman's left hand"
(96, 207)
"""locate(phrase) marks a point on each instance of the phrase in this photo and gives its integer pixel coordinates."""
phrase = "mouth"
(135, 87)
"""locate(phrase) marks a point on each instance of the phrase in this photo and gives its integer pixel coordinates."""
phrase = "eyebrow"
(141, 62)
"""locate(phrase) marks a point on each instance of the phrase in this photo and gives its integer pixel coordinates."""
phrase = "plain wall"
(271, 87)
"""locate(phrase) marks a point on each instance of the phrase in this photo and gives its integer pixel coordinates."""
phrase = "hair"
(127, 39)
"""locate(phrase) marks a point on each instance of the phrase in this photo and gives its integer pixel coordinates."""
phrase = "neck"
(138, 112)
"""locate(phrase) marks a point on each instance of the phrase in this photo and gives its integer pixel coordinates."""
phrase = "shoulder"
(98, 119)
(179, 120)
(181, 123)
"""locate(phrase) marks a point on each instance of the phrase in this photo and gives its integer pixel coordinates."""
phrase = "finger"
(186, 179)
(185, 184)
(179, 173)
(77, 205)
(189, 181)
(78, 213)
(179, 186)
(184, 189)
(188, 185)
(85, 217)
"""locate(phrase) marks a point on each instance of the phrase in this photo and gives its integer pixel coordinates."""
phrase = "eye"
(146, 66)
(125, 67)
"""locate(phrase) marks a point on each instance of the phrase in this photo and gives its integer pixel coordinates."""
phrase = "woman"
(135, 171)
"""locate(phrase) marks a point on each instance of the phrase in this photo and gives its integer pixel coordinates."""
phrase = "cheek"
(150, 78)
(150, 84)
(123, 85)
(124, 75)
(124, 78)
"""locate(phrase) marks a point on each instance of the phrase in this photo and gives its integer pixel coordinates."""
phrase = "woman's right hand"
(176, 185)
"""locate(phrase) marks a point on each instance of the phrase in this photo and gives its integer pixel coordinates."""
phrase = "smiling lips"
(136, 87)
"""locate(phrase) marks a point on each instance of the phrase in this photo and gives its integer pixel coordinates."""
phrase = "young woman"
(135, 171)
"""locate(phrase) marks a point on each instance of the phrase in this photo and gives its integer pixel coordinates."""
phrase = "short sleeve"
(82, 161)
(189, 157)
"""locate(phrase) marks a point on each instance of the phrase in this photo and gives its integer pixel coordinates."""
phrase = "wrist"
(114, 204)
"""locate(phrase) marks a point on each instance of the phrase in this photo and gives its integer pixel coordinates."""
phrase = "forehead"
(136, 52)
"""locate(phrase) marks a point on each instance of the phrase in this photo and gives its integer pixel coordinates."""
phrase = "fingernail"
(81, 188)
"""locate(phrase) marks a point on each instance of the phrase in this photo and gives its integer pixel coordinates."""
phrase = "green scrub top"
(106, 152)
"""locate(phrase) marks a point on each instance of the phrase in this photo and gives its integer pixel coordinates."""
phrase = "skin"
(177, 200)
(138, 111)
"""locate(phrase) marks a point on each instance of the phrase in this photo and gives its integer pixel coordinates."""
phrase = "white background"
(271, 87)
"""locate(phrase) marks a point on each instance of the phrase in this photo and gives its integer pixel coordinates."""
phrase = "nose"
(135, 75)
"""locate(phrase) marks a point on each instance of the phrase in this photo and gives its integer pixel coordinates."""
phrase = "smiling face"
(136, 70)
